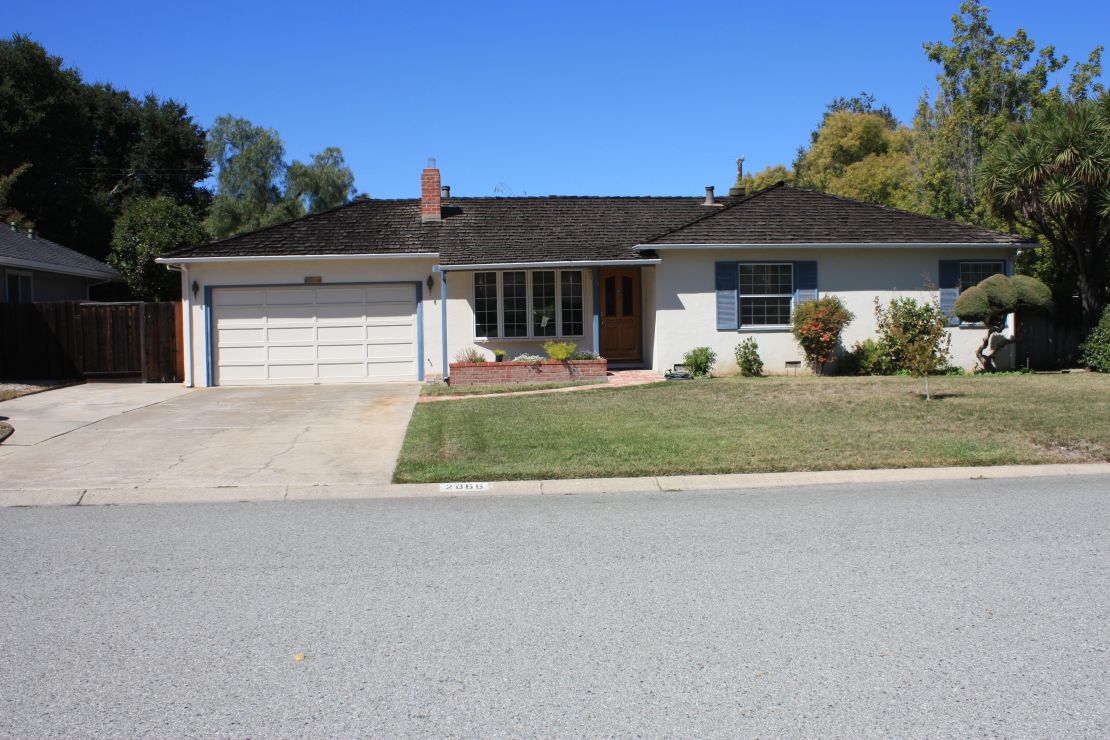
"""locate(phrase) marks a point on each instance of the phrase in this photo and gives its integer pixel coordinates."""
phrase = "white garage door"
(314, 334)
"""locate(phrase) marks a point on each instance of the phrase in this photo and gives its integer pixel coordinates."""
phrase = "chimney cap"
(431, 163)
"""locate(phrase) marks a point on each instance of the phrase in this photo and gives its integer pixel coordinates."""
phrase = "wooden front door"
(619, 293)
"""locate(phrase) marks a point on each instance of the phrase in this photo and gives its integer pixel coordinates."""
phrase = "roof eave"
(107, 274)
(296, 257)
(833, 245)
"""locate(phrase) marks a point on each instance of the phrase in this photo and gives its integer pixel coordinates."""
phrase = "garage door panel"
(314, 334)
(237, 297)
(231, 335)
(341, 295)
(341, 352)
(300, 352)
(255, 354)
(305, 313)
(288, 297)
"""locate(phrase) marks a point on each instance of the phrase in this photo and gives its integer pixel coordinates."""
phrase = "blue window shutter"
(726, 280)
(949, 274)
(805, 282)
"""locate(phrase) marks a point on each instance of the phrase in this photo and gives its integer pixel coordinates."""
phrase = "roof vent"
(445, 191)
(30, 233)
(736, 191)
(13, 226)
(709, 201)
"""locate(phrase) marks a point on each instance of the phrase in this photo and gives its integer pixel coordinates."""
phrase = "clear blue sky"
(598, 98)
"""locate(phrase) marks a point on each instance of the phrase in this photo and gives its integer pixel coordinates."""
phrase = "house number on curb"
(464, 486)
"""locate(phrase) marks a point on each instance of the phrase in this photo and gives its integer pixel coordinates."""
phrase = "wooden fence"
(78, 339)
(1050, 341)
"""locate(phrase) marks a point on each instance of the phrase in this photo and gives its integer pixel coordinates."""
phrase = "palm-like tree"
(1052, 175)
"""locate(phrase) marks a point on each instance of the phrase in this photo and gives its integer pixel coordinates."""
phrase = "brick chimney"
(430, 193)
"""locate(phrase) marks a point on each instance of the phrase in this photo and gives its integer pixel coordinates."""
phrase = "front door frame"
(638, 310)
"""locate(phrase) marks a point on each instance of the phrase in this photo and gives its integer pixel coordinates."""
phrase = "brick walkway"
(617, 379)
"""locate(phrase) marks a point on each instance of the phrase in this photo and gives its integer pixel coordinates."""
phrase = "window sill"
(523, 340)
(765, 329)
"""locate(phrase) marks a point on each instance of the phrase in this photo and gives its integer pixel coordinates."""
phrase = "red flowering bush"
(817, 328)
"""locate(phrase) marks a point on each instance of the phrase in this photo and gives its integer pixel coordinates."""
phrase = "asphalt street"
(979, 607)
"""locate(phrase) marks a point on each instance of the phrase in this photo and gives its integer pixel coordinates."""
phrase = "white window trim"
(740, 296)
(530, 336)
(21, 273)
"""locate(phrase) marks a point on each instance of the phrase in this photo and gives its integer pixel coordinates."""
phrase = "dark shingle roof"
(519, 229)
(788, 215)
(16, 245)
(571, 228)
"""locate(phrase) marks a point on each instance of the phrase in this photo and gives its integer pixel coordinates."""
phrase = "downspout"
(443, 322)
(187, 310)
(596, 311)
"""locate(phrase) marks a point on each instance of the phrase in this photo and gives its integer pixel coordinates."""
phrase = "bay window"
(526, 304)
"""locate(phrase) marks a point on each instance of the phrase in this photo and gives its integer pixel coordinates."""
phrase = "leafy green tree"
(89, 148)
(1052, 177)
(987, 82)
(992, 300)
(146, 229)
(765, 178)
(255, 187)
(1096, 350)
(914, 337)
(326, 182)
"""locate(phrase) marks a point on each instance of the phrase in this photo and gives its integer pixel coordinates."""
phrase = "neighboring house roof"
(789, 215)
(17, 249)
(585, 228)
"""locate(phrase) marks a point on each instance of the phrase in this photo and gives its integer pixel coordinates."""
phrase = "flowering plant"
(818, 325)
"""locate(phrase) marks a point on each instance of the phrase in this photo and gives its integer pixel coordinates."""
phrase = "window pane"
(514, 298)
(610, 296)
(973, 273)
(571, 290)
(766, 279)
(13, 289)
(627, 296)
(485, 304)
(764, 311)
(543, 303)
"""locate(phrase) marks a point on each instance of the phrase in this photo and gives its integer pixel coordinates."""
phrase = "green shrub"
(747, 358)
(699, 361)
(585, 355)
(817, 328)
(906, 330)
(1096, 350)
(471, 354)
(865, 358)
(559, 351)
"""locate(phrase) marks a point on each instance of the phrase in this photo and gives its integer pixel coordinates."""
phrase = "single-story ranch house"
(381, 290)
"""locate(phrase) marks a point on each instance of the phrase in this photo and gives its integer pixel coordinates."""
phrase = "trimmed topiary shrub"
(817, 328)
(992, 300)
(1095, 352)
(747, 358)
(699, 361)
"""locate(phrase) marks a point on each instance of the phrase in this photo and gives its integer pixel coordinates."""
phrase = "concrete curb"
(667, 484)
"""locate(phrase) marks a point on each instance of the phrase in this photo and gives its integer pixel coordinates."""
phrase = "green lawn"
(439, 389)
(733, 425)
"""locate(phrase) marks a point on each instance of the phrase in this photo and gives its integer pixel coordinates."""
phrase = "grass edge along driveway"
(757, 425)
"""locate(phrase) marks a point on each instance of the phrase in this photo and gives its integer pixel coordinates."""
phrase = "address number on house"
(445, 487)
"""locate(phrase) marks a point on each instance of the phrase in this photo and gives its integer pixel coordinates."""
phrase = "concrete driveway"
(127, 441)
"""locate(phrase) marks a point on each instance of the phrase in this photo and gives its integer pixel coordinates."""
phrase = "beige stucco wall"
(274, 272)
(685, 298)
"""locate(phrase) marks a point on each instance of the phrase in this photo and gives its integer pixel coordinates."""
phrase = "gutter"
(295, 258)
(836, 245)
(107, 276)
(533, 265)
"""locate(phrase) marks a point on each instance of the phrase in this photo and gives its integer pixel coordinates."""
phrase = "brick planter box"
(547, 371)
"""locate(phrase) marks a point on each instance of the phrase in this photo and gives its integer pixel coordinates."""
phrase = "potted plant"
(499, 355)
